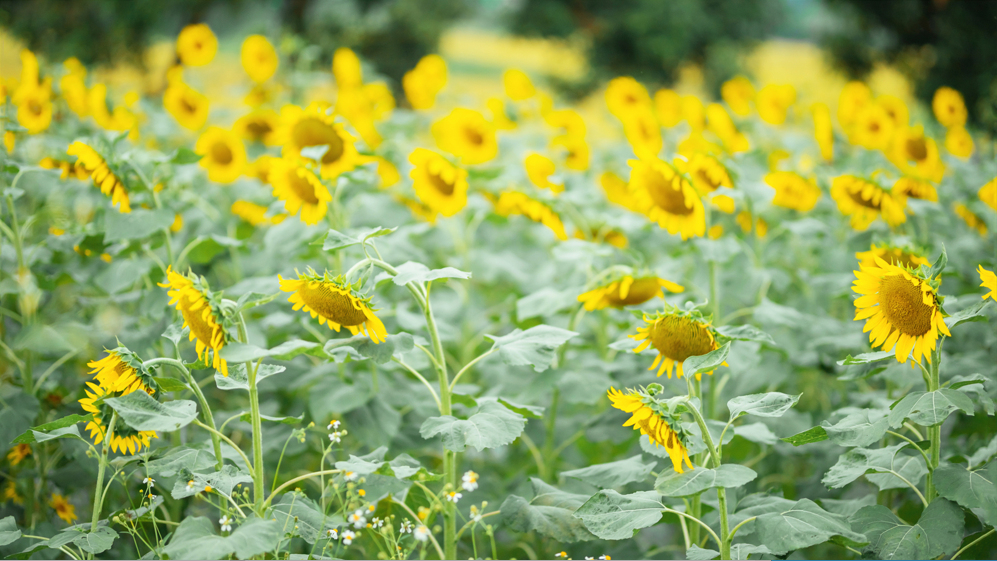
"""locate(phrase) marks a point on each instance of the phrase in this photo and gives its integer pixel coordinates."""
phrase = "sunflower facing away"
(514, 202)
(201, 311)
(63, 509)
(793, 190)
(676, 335)
(988, 280)
(440, 185)
(75, 169)
(124, 438)
(656, 422)
(914, 188)
(300, 189)
(627, 290)
(109, 183)
(121, 372)
(903, 256)
(864, 201)
(665, 196)
(334, 303)
(901, 308)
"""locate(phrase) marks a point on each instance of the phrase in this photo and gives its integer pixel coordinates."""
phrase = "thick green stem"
(696, 504)
(98, 499)
(449, 457)
(935, 432)
(721, 492)
(254, 412)
(205, 409)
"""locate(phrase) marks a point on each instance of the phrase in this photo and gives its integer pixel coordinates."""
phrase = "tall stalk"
(935, 432)
(721, 492)
(98, 494)
(259, 484)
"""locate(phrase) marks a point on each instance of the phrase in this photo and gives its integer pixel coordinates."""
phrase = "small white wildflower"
(605, 558)
(149, 481)
(152, 497)
(226, 523)
(589, 558)
(336, 437)
(454, 496)
(332, 534)
(377, 522)
(333, 425)
(190, 485)
(358, 519)
(470, 481)
(348, 537)
(406, 527)
(421, 533)
(351, 476)
(561, 554)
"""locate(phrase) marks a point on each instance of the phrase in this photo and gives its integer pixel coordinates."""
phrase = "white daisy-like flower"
(605, 558)
(332, 534)
(377, 522)
(333, 425)
(589, 558)
(226, 523)
(421, 533)
(357, 518)
(348, 537)
(454, 496)
(406, 527)
(336, 437)
(561, 554)
(351, 476)
(190, 485)
(152, 497)
(149, 481)
(470, 481)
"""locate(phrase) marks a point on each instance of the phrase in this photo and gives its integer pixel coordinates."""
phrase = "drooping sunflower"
(738, 92)
(628, 289)
(988, 280)
(224, 154)
(424, 82)
(63, 509)
(894, 255)
(624, 95)
(901, 308)
(914, 188)
(577, 153)
(656, 422)
(896, 109)
(517, 84)
(300, 189)
(793, 190)
(18, 453)
(949, 107)
(676, 335)
(196, 45)
(959, 142)
(440, 185)
(539, 168)
(202, 313)
(774, 101)
(124, 438)
(467, 135)
(873, 128)
(823, 131)
(988, 193)
(259, 125)
(643, 132)
(617, 191)
(855, 96)
(973, 220)
(315, 126)
(335, 303)
(864, 201)
(188, 106)
(108, 182)
(665, 196)
(916, 154)
(258, 57)
(121, 372)
(706, 172)
(514, 202)
(668, 106)
(67, 168)
(73, 87)
(611, 236)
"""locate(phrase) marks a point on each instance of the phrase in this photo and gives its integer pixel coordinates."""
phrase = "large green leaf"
(938, 532)
(195, 538)
(338, 240)
(492, 426)
(182, 457)
(332, 396)
(695, 481)
(238, 379)
(970, 488)
(759, 433)
(803, 525)
(861, 428)
(884, 461)
(746, 333)
(140, 411)
(62, 428)
(866, 358)
(136, 224)
(98, 541)
(930, 408)
(222, 482)
(706, 363)
(301, 511)
(535, 346)
(550, 513)
(773, 404)
(8, 531)
(243, 352)
(613, 474)
(612, 516)
(809, 436)
(972, 313)
(410, 271)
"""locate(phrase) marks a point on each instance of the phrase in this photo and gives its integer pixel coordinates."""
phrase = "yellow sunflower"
(676, 335)
(110, 184)
(617, 191)
(514, 202)
(694, 112)
(387, 172)
(988, 193)
(873, 128)
(74, 169)
(517, 84)
(346, 69)
(539, 168)
(334, 303)
(914, 188)
(793, 190)
(440, 185)
(988, 280)
(259, 125)
(196, 45)
(568, 120)
(949, 108)
(865, 201)
(260, 168)
(300, 189)
(901, 310)
(577, 154)
(627, 290)
(63, 509)
(467, 135)
(424, 82)
(259, 59)
(624, 96)
(974, 221)
(642, 132)
(121, 372)
(665, 196)
(34, 109)
(706, 172)
(823, 131)
(668, 106)
(224, 154)
(959, 142)
(255, 214)
(720, 123)
(903, 256)
(21, 451)
(358, 109)
(697, 143)
(855, 96)
(774, 101)
(738, 92)
(10, 494)
(500, 120)
(380, 99)
(613, 237)
(315, 126)
(9, 140)
(202, 313)
(73, 86)
(118, 119)
(188, 106)
(916, 154)
(124, 438)
(654, 421)
(896, 109)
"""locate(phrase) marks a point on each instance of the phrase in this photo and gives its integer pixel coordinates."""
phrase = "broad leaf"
(171, 384)
(972, 313)
(696, 553)
(299, 510)
(183, 457)
(613, 474)
(220, 481)
(746, 333)
(61, 428)
(98, 541)
(860, 461)
(930, 408)
(141, 412)
(938, 532)
(612, 516)
(809, 436)
(759, 433)
(706, 363)
(195, 538)
(237, 378)
(410, 271)
(550, 513)
(136, 224)
(866, 358)
(772, 404)
(971, 489)
(695, 481)
(804, 525)
(8, 531)
(492, 426)
(861, 428)
(535, 346)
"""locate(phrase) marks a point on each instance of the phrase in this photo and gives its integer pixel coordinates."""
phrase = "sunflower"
(610, 236)
(539, 169)
(440, 185)
(34, 109)
(914, 188)
(21, 451)
(119, 119)
(855, 96)
(747, 222)
(656, 422)
(63, 509)
(949, 108)
(314, 126)
(697, 143)
(896, 109)
(894, 255)
(74, 169)
(774, 101)
(259, 59)
(624, 96)
(617, 191)
(354, 105)
(10, 494)
(988, 193)
(738, 92)
(380, 100)
(720, 123)
(255, 214)
(467, 135)
(110, 184)
(823, 131)
(188, 106)
(387, 172)
(514, 202)
(121, 372)
(665, 196)
(73, 87)
(916, 154)
(196, 45)
(793, 190)
(517, 84)
(260, 167)
(864, 201)
(988, 280)
(706, 172)
(568, 120)
(627, 290)
(642, 132)
(973, 220)
(424, 82)
(577, 156)
(124, 438)
(959, 142)
(676, 335)
(500, 120)
(668, 106)
(335, 303)
(300, 189)
(259, 125)
(9, 140)
(873, 128)
(693, 112)
(901, 308)
(224, 154)
(202, 313)
(346, 69)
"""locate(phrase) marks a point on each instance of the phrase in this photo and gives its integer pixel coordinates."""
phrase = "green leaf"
(746, 333)
(237, 378)
(859, 461)
(550, 513)
(972, 313)
(612, 516)
(170, 384)
(366, 464)
(803, 525)
(331, 396)
(247, 418)
(706, 363)
(939, 265)
(184, 156)
(758, 433)
(773, 404)
(195, 538)
(528, 411)
(337, 240)
(938, 532)
(136, 224)
(929, 408)
(613, 474)
(98, 541)
(141, 412)
(544, 303)
(696, 553)
(970, 488)
(535, 346)
(242, 352)
(255, 537)
(8, 531)
(410, 271)
(183, 457)
(861, 428)
(741, 551)
(809, 436)
(222, 482)
(51, 430)
(492, 426)
(122, 274)
(866, 358)
(695, 481)
(299, 510)
(406, 467)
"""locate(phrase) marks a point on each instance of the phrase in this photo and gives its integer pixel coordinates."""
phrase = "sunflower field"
(337, 320)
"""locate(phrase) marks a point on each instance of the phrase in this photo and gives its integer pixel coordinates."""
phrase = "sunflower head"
(624, 96)
(706, 172)
(914, 188)
(988, 280)
(335, 303)
(854, 97)
(973, 220)
(224, 155)
(643, 132)
(863, 201)
(124, 438)
(959, 142)
(901, 307)
(873, 128)
(63, 508)
(299, 188)
(949, 107)
(188, 106)
(34, 109)
(467, 135)
(440, 185)
(738, 92)
(774, 102)
(424, 82)
(259, 58)
(196, 45)
(576, 151)
(122, 372)
(916, 154)
(259, 125)
(517, 84)
(315, 126)
(103, 176)
(539, 168)
(514, 202)
(627, 289)
(676, 335)
(988, 193)
(203, 313)
(655, 419)
(668, 106)
(793, 190)
(667, 197)
(18, 453)
(903, 256)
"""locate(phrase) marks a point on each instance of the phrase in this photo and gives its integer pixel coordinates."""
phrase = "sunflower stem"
(935, 432)
(721, 492)
(98, 499)
(254, 412)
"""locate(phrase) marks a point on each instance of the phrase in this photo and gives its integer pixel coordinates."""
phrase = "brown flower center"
(440, 184)
(301, 187)
(904, 306)
(855, 193)
(679, 338)
(313, 132)
(331, 304)
(917, 149)
(705, 180)
(473, 136)
(668, 193)
(221, 153)
(258, 129)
